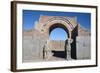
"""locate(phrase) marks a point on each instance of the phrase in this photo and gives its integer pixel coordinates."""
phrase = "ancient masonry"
(35, 41)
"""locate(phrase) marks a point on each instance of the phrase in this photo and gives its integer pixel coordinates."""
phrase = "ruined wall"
(33, 43)
(83, 45)
(82, 31)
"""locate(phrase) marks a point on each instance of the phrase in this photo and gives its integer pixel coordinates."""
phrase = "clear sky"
(31, 16)
(58, 34)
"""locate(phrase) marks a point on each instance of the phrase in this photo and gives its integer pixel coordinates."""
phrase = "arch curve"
(50, 25)
(47, 23)
(58, 25)
(61, 20)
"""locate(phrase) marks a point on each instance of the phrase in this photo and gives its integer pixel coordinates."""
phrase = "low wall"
(58, 45)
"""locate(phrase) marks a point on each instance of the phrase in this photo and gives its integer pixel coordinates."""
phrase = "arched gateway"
(36, 41)
(48, 23)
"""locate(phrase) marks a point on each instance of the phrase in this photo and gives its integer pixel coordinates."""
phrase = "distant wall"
(57, 45)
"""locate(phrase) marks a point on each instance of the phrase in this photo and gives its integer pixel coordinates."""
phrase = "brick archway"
(47, 23)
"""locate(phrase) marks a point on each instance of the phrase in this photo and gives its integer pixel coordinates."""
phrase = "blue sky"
(58, 34)
(31, 16)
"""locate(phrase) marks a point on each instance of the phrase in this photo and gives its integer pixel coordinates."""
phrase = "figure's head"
(47, 41)
(70, 40)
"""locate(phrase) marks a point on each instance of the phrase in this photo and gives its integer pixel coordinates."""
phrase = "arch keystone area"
(45, 22)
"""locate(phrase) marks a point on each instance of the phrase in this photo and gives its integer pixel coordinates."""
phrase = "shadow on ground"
(60, 54)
